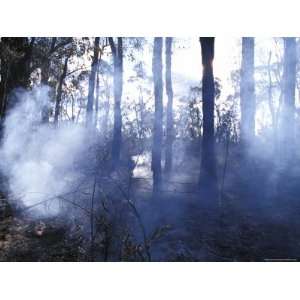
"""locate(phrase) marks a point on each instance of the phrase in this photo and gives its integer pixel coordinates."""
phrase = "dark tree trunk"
(287, 130)
(247, 93)
(15, 70)
(3, 86)
(46, 63)
(45, 78)
(208, 176)
(106, 108)
(59, 91)
(117, 52)
(90, 103)
(158, 94)
(169, 91)
(97, 97)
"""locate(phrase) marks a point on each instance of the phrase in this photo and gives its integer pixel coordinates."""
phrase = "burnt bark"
(59, 91)
(158, 118)
(16, 56)
(117, 52)
(170, 122)
(97, 97)
(45, 74)
(208, 176)
(90, 103)
(46, 63)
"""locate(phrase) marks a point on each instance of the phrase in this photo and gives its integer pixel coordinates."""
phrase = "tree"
(52, 47)
(208, 176)
(16, 55)
(92, 78)
(15, 71)
(59, 91)
(287, 130)
(169, 91)
(117, 52)
(97, 97)
(158, 118)
(247, 92)
(45, 74)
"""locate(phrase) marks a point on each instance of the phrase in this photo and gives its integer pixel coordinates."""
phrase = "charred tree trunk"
(16, 57)
(46, 63)
(90, 103)
(59, 91)
(287, 128)
(3, 85)
(106, 109)
(169, 91)
(45, 78)
(247, 93)
(158, 94)
(208, 176)
(15, 68)
(117, 52)
(97, 97)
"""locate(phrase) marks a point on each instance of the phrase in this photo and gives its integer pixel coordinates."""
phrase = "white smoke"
(39, 160)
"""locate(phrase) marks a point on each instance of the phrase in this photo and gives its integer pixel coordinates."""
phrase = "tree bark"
(117, 52)
(247, 93)
(90, 103)
(15, 70)
(59, 91)
(97, 97)
(169, 91)
(208, 176)
(158, 119)
(45, 78)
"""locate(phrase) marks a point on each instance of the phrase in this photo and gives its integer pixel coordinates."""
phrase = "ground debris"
(37, 240)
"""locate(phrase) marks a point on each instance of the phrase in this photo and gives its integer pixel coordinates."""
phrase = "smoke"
(38, 160)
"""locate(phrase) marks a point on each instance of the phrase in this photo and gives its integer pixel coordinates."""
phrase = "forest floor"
(247, 226)
(232, 238)
(25, 239)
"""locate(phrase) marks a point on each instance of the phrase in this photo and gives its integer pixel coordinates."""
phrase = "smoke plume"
(38, 160)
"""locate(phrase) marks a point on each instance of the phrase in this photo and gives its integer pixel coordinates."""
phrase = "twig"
(137, 215)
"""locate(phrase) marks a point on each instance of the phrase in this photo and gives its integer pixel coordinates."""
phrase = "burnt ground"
(252, 221)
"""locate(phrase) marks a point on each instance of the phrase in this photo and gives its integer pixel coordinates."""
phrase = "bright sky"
(187, 61)
(187, 67)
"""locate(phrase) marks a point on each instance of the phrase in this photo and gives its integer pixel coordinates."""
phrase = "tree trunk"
(208, 176)
(169, 91)
(16, 70)
(59, 91)
(272, 109)
(247, 92)
(97, 98)
(3, 86)
(45, 78)
(287, 130)
(90, 103)
(46, 63)
(158, 94)
(106, 108)
(117, 52)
